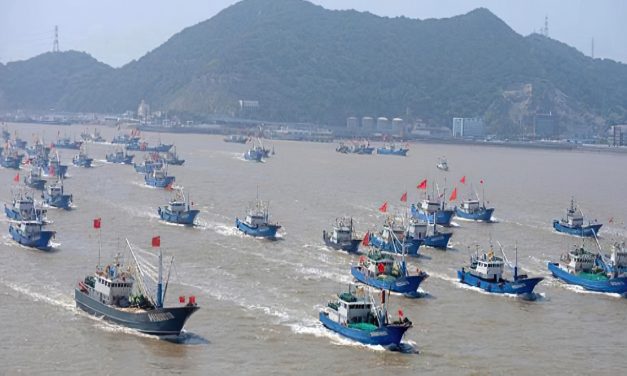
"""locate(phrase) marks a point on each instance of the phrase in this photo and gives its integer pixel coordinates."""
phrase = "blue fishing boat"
(55, 196)
(31, 234)
(172, 158)
(125, 139)
(159, 178)
(154, 161)
(19, 143)
(34, 179)
(573, 223)
(433, 211)
(120, 156)
(126, 295)
(143, 146)
(392, 238)
(67, 143)
(486, 272)
(388, 271)
(428, 234)
(356, 316)
(92, 137)
(255, 154)
(55, 168)
(82, 159)
(593, 271)
(343, 148)
(342, 237)
(473, 209)
(392, 149)
(178, 210)
(23, 208)
(257, 221)
(11, 160)
(236, 138)
(363, 149)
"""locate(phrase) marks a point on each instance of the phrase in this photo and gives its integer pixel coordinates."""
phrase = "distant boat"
(120, 156)
(388, 271)
(257, 221)
(55, 196)
(154, 161)
(343, 148)
(392, 149)
(342, 236)
(82, 159)
(442, 164)
(55, 168)
(23, 208)
(6, 135)
(172, 158)
(254, 154)
(11, 160)
(486, 272)
(31, 234)
(427, 233)
(235, 138)
(34, 180)
(92, 137)
(143, 146)
(121, 294)
(475, 210)
(159, 178)
(593, 271)
(392, 238)
(67, 143)
(573, 223)
(356, 316)
(178, 210)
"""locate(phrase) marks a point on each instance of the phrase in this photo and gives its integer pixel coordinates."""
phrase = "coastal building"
(367, 123)
(352, 122)
(468, 127)
(383, 124)
(617, 135)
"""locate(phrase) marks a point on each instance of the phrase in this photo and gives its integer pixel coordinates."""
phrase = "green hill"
(305, 63)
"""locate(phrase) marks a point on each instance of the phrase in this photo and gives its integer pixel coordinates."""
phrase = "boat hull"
(613, 285)
(16, 215)
(61, 202)
(439, 240)
(589, 231)
(352, 247)
(267, 231)
(42, 241)
(122, 160)
(484, 214)
(85, 162)
(253, 156)
(159, 183)
(522, 286)
(441, 217)
(399, 152)
(160, 321)
(38, 184)
(383, 336)
(404, 285)
(182, 218)
(412, 247)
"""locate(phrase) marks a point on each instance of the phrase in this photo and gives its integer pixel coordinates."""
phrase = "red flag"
(481, 181)
(422, 185)
(97, 223)
(51, 170)
(463, 179)
(453, 195)
(366, 241)
(400, 313)
(169, 187)
(404, 197)
(16, 178)
(384, 207)
(156, 241)
(611, 220)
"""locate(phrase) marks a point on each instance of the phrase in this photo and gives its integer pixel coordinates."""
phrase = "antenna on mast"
(55, 44)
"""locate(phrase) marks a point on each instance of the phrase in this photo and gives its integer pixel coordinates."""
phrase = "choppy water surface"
(260, 299)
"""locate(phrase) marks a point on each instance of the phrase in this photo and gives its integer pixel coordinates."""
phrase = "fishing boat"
(143, 146)
(150, 163)
(159, 178)
(355, 315)
(593, 271)
(257, 221)
(124, 295)
(254, 154)
(486, 272)
(67, 143)
(362, 149)
(120, 156)
(343, 148)
(125, 139)
(6, 135)
(388, 271)
(92, 137)
(236, 138)
(31, 234)
(19, 143)
(392, 149)
(433, 210)
(178, 210)
(427, 233)
(342, 237)
(172, 158)
(22, 208)
(473, 209)
(55, 196)
(11, 160)
(442, 164)
(82, 159)
(55, 168)
(34, 179)
(392, 238)
(573, 223)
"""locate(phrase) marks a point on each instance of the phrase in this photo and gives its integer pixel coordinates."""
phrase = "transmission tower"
(592, 48)
(546, 26)
(55, 45)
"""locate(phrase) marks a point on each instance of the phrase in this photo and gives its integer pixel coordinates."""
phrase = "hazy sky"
(118, 31)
